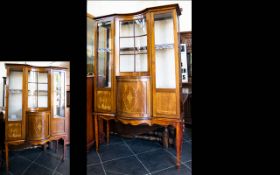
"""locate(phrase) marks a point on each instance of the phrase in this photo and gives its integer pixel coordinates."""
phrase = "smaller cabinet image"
(36, 104)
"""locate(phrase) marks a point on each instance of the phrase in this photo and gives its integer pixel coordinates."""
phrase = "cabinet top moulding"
(149, 9)
(30, 66)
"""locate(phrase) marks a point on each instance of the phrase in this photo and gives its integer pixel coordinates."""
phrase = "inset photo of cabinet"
(35, 117)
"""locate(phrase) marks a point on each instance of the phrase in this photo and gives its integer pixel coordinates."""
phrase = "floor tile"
(64, 167)
(37, 170)
(157, 160)
(187, 134)
(189, 164)
(48, 160)
(128, 165)
(109, 152)
(95, 169)
(30, 154)
(18, 165)
(114, 139)
(186, 151)
(139, 145)
(183, 170)
(92, 157)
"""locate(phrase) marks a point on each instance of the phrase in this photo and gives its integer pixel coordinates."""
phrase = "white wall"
(100, 8)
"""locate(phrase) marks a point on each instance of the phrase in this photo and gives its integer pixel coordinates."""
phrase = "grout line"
(118, 158)
(33, 162)
(56, 168)
(137, 157)
(117, 172)
(163, 169)
(187, 165)
(101, 163)
(30, 163)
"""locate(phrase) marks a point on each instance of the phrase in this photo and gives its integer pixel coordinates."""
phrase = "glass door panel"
(133, 46)
(15, 96)
(164, 51)
(59, 94)
(104, 58)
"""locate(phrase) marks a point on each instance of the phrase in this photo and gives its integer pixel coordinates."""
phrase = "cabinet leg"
(165, 137)
(7, 158)
(64, 149)
(56, 147)
(179, 138)
(96, 132)
(108, 131)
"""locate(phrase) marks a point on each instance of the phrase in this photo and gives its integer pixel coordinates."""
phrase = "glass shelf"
(164, 46)
(133, 36)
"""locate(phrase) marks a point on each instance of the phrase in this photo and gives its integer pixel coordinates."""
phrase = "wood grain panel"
(14, 130)
(104, 101)
(57, 126)
(38, 125)
(133, 97)
(166, 103)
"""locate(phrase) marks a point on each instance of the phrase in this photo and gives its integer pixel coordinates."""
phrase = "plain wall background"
(100, 8)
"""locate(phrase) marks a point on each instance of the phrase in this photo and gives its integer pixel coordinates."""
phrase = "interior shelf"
(133, 36)
(164, 46)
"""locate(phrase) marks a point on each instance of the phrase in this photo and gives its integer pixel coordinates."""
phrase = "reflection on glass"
(126, 29)
(59, 94)
(104, 50)
(15, 96)
(140, 27)
(164, 42)
(90, 45)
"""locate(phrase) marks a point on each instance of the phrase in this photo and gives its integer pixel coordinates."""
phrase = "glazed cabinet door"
(58, 102)
(15, 125)
(166, 69)
(104, 81)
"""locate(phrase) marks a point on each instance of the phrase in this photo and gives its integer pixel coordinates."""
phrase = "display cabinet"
(35, 110)
(137, 70)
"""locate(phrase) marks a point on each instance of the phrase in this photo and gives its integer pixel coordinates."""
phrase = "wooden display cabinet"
(35, 105)
(137, 70)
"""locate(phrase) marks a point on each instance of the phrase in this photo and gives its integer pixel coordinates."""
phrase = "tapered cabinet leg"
(64, 149)
(179, 138)
(96, 132)
(7, 158)
(108, 131)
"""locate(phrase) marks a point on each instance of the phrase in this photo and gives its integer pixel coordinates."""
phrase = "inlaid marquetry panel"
(38, 125)
(133, 97)
(165, 103)
(14, 130)
(104, 101)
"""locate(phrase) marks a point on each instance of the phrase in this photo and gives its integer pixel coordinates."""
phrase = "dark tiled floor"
(139, 157)
(38, 162)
